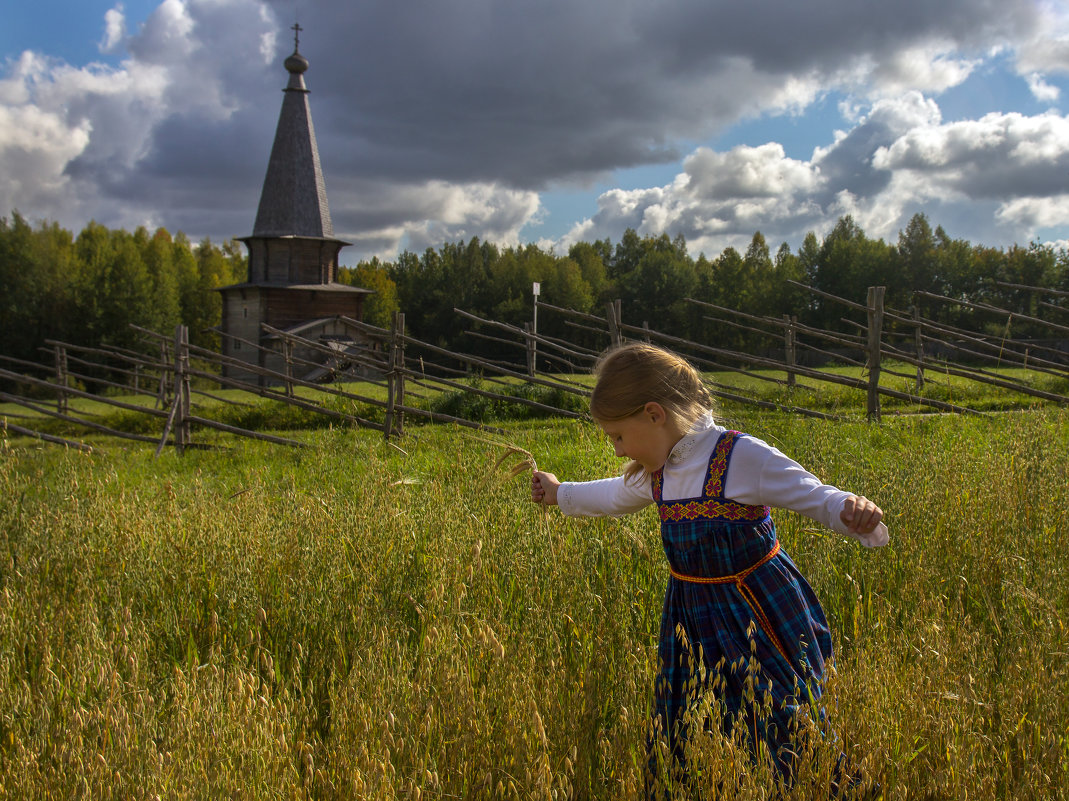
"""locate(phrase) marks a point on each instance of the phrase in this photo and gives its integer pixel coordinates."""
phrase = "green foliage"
(481, 409)
(379, 308)
(90, 289)
(215, 267)
(36, 295)
(274, 415)
(114, 289)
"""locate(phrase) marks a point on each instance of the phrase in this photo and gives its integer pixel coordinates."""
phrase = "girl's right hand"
(544, 488)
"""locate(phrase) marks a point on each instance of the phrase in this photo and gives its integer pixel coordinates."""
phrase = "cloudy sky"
(547, 121)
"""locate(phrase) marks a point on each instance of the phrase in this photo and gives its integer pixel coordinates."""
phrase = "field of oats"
(356, 621)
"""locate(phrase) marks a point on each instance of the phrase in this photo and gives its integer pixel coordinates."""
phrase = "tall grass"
(351, 621)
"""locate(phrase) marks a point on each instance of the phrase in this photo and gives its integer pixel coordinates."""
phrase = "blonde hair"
(632, 375)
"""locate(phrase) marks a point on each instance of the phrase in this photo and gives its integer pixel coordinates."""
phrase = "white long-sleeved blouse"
(758, 474)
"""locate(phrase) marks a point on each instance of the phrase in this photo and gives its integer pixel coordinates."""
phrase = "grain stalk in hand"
(527, 462)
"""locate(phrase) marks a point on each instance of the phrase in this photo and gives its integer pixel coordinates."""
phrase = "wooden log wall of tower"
(293, 253)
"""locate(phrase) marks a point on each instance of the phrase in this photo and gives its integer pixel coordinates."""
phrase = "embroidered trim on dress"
(711, 509)
(714, 485)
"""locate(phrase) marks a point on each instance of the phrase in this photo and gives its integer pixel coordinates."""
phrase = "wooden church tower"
(293, 254)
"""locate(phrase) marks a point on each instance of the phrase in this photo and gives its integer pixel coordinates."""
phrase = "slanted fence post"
(531, 353)
(399, 371)
(918, 346)
(61, 378)
(613, 315)
(395, 382)
(181, 386)
(532, 343)
(161, 390)
(387, 425)
(178, 417)
(789, 353)
(287, 355)
(875, 315)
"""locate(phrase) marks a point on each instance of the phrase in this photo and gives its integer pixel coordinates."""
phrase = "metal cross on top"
(297, 36)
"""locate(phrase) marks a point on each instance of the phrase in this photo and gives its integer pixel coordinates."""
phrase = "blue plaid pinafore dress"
(733, 594)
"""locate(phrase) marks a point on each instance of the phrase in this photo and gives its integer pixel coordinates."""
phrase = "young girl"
(733, 592)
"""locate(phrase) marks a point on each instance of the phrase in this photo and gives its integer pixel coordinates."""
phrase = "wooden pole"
(875, 315)
(181, 387)
(161, 390)
(280, 396)
(167, 429)
(918, 346)
(391, 387)
(77, 420)
(1038, 289)
(61, 379)
(29, 432)
(612, 315)
(532, 344)
(78, 393)
(808, 372)
(527, 334)
(530, 348)
(399, 373)
(287, 354)
(988, 307)
(789, 351)
(187, 397)
(1003, 353)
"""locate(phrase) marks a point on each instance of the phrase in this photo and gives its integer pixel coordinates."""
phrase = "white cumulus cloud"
(390, 216)
(114, 29)
(1004, 171)
(1042, 90)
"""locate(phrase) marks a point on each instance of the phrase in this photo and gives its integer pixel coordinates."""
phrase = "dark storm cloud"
(528, 93)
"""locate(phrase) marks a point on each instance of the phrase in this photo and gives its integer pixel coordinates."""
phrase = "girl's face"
(647, 437)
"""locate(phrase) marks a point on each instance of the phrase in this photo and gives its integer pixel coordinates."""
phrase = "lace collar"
(685, 447)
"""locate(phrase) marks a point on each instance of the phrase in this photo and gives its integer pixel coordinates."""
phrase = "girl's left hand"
(860, 514)
(544, 488)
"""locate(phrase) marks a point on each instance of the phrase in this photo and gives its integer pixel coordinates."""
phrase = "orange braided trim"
(739, 580)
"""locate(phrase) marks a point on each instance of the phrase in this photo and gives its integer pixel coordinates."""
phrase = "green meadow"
(245, 410)
(359, 619)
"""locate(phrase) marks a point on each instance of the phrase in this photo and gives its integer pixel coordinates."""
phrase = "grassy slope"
(354, 621)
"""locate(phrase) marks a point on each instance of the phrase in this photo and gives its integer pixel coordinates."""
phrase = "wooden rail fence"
(180, 376)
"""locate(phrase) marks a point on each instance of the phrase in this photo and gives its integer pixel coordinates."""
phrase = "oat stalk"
(528, 461)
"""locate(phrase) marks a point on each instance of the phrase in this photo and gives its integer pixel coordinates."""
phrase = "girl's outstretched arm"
(544, 488)
(860, 514)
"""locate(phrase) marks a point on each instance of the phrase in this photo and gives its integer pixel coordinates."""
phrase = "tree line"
(654, 276)
(89, 288)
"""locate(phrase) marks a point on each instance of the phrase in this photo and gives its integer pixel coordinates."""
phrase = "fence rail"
(404, 365)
